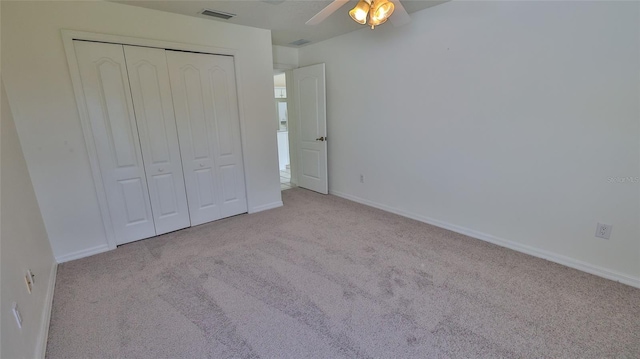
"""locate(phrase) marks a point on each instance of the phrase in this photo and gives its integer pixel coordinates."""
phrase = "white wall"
(41, 95)
(284, 57)
(503, 120)
(23, 245)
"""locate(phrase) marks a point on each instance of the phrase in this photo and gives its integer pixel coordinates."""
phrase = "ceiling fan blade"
(324, 13)
(400, 16)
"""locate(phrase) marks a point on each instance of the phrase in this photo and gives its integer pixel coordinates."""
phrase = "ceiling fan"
(370, 12)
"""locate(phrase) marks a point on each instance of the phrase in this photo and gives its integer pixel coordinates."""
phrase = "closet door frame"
(68, 36)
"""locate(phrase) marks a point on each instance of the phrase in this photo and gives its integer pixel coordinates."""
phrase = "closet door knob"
(161, 170)
(202, 165)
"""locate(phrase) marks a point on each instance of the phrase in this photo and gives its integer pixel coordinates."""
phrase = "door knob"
(161, 170)
(321, 139)
(202, 165)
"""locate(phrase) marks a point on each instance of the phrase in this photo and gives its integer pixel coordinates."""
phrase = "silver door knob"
(160, 169)
(202, 165)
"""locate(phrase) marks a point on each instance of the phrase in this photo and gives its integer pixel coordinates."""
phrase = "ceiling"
(285, 18)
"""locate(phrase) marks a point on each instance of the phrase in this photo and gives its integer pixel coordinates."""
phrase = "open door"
(310, 100)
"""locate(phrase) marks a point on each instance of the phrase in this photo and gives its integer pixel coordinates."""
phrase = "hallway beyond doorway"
(285, 179)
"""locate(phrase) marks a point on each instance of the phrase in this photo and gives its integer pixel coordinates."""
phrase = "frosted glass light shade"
(359, 13)
(380, 12)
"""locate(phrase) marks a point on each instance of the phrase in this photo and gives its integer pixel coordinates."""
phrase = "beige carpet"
(323, 277)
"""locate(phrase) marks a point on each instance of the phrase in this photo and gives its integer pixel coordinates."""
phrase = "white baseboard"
(540, 253)
(41, 349)
(266, 207)
(82, 253)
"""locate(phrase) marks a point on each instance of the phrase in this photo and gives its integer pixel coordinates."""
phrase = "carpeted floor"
(323, 277)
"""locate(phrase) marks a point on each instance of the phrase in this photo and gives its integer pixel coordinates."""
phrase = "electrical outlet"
(361, 178)
(603, 231)
(17, 315)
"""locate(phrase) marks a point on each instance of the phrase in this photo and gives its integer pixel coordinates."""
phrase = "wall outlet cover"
(603, 230)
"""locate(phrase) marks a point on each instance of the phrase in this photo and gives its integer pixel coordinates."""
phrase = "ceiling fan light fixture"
(359, 12)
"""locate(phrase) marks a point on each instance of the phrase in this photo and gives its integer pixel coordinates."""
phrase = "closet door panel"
(194, 128)
(227, 129)
(106, 88)
(205, 101)
(205, 189)
(153, 105)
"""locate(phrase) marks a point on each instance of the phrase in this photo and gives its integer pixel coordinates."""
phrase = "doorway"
(282, 118)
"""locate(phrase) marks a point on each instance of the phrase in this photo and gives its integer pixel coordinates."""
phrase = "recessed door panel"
(196, 118)
(308, 96)
(204, 182)
(145, 82)
(154, 114)
(112, 91)
(218, 79)
(110, 110)
(134, 200)
(168, 203)
(228, 174)
(310, 161)
(206, 107)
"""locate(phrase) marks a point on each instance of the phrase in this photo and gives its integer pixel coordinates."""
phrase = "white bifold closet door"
(153, 106)
(105, 83)
(133, 126)
(166, 131)
(206, 107)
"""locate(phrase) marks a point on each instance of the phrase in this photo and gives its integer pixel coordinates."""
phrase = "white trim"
(243, 128)
(67, 38)
(135, 41)
(82, 253)
(41, 346)
(283, 67)
(540, 253)
(265, 207)
(292, 126)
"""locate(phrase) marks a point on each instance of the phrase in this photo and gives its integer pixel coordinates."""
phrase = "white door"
(310, 102)
(106, 88)
(206, 107)
(153, 106)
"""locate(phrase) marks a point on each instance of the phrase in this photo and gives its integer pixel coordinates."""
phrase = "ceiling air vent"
(299, 42)
(218, 14)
